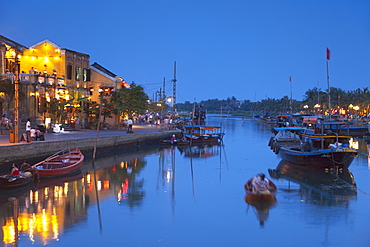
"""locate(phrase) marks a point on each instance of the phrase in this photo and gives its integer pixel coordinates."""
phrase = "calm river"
(168, 197)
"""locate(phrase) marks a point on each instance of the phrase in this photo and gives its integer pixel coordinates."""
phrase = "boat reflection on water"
(261, 207)
(318, 186)
(200, 150)
(9, 195)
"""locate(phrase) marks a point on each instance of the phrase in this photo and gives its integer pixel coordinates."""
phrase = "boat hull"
(324, 159)
(203, 139)
(253, 197)
(199, 134)
(7, 181)
(57, 166)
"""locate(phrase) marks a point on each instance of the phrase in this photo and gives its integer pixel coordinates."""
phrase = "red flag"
(327, 54)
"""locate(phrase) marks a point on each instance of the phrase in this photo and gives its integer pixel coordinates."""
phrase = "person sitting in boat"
(15, 170)
(173, 139)
(335, 145)
(260, 184)
(26, 169)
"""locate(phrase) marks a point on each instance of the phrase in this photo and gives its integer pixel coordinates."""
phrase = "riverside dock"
(84, 139)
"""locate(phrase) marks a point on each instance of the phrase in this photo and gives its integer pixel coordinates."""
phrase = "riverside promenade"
(84, 139)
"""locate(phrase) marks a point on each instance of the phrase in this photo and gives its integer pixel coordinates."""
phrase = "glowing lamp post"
(317, 107)
(305, 107)
(356, 108)
(350, 109)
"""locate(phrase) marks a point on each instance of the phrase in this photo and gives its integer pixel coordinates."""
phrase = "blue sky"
(246, 49)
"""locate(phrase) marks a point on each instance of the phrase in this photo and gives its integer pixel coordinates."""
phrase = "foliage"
(130, 101)
(158, 106)
(56, 110)
(339, 98)
(7, 89)
(76, 99)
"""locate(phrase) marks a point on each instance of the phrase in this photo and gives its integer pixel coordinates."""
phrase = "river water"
(166, 196)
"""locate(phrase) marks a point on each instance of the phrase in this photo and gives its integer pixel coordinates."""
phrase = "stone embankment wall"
(39, 149)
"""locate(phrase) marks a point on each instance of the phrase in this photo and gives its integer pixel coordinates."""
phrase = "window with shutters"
(78, 73)
(69, 72)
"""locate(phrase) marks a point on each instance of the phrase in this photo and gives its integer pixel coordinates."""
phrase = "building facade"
(50, 75)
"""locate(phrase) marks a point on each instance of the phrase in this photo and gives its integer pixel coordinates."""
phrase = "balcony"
(36, 79)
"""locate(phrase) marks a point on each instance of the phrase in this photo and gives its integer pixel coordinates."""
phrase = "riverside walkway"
(84, 139)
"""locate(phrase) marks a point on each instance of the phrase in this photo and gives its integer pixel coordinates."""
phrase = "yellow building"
(104, 83)
(48, 71)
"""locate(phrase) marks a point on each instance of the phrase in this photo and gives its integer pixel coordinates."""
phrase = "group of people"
(33, 134)
(24, 171)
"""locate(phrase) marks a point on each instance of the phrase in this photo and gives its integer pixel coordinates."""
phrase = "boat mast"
(327, 77)
(291, 96)
(174, 90)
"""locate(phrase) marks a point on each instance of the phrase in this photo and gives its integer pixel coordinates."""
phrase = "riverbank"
(84, 139)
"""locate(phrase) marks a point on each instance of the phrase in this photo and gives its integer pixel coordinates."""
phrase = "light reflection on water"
(166, 196)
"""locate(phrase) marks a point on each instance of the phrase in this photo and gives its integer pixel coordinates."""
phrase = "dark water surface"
(174, 197)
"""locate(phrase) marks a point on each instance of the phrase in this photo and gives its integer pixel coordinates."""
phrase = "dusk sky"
(246, 49)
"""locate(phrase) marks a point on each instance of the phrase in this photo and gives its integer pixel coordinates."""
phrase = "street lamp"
(305, 107)
(356, 108)
(317, 107)
(350, 109)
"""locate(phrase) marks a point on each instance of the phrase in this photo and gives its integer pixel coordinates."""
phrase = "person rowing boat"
(260, 184)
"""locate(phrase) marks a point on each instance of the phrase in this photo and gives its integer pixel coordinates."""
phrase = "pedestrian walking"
(28, 130)
(129, 129)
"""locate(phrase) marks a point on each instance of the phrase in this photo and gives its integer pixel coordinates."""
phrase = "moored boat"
(356, 129)
(12, 181)
(320, 144)
(320, 150)
(203, 134)
(284, 136)
(282, 120)
(60, 164)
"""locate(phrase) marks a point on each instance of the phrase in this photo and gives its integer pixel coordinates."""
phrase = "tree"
(130, 101)
(7, 89)
(56, 110)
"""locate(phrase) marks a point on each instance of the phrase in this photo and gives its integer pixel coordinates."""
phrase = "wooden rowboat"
(252, 196)
(59, 164)
(12, 181)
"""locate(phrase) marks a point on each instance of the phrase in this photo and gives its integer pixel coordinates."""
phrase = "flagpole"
(327, 76)
(291, 96)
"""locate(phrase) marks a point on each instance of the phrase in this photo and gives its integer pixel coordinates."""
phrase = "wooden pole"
(329, 97)
(174, 90)
(16, 102)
